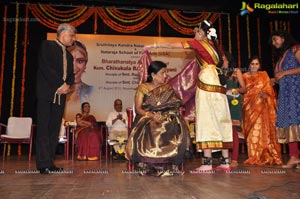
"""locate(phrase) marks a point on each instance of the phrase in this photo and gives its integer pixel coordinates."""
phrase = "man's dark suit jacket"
(50, 70)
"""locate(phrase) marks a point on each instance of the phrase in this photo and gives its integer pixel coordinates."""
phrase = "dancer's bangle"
(147, 114)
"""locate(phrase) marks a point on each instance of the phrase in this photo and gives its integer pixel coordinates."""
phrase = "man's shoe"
(56, 169)
(44, 171)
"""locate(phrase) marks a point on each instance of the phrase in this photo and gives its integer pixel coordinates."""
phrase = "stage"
(111, 179)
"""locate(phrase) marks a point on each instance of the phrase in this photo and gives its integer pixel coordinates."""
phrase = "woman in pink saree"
(87, 135)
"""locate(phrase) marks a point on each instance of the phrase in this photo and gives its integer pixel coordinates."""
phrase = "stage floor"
(110, 180)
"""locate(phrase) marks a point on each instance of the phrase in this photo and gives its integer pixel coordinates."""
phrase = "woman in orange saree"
(259, 115)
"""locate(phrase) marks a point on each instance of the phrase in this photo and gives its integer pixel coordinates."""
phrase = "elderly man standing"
(55, 75)
(117, 123)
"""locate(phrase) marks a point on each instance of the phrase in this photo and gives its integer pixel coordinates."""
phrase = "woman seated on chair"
(159, 135)
(87, 135)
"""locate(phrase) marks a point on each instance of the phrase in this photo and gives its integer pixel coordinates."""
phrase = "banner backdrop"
(111, 71)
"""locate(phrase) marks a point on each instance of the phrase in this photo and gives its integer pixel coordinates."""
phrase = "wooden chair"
(19, 130)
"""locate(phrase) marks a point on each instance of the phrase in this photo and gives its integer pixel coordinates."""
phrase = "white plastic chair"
(18, 130)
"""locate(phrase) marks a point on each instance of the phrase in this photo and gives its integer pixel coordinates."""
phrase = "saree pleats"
(259, 115)
(159, 142)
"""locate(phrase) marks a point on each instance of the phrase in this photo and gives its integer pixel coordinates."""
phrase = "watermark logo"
(245, 9)
(270, 8)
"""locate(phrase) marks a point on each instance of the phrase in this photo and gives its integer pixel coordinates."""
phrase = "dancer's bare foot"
(292, 163)
(223, 167)
(234, 163)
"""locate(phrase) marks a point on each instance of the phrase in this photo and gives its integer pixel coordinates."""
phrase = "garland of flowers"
(275, 25)
(214, 17)
(258, 37)
(175, 26)
(128, 17)
(51, 18)
(95, 23)
(3, 54)
(173, 23)
(14, 62)
(229, 33)
(14, 73)
(44, 20)
(126, 28)
(24, 62)
(189, 22)
(62, 16)
(159, 24)
(220, 35)
(124, 19)
(62, 13)
(238, 41)
(248, 36)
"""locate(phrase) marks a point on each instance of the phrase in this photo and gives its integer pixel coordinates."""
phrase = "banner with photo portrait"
(111, 69)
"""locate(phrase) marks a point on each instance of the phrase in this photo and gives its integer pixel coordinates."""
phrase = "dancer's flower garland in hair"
(212, 33)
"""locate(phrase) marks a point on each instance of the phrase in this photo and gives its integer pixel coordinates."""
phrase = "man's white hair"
(65, 26)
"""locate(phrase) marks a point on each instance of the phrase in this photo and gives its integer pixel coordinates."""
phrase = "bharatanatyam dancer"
(213, 121)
